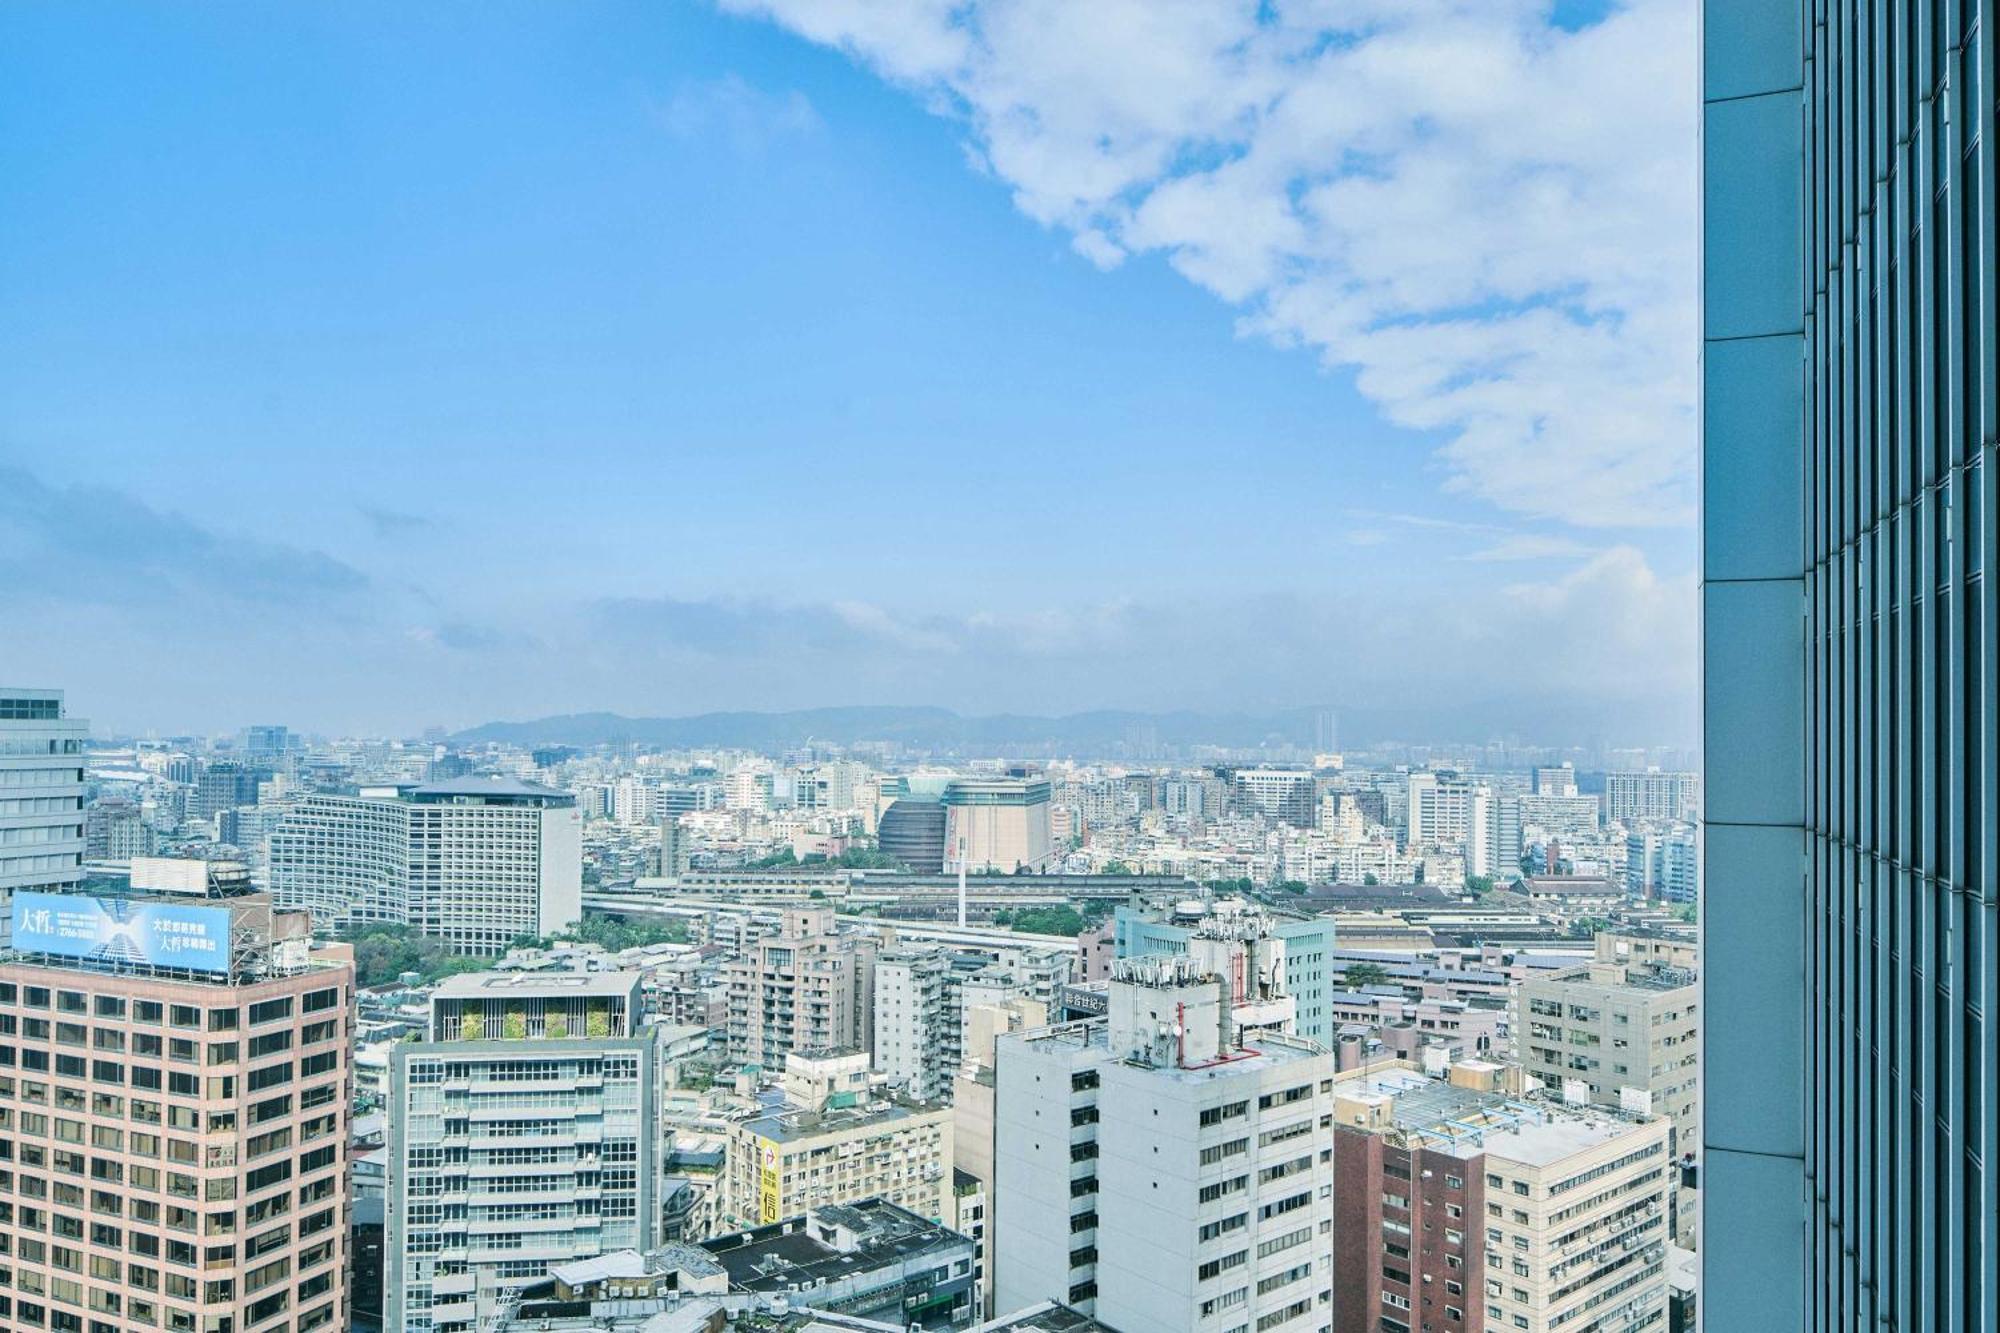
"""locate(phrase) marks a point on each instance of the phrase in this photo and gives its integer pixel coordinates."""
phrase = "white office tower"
(1286, 795)
(1632, 797)
(41, 794)
(523, 1133)
(475, 862)
(634, 801)
(1446, 811)
(1154, 1172)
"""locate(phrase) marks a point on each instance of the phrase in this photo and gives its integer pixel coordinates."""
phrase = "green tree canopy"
(1366, 974)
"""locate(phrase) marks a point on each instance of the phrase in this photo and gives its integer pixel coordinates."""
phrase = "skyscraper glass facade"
(1849, 665)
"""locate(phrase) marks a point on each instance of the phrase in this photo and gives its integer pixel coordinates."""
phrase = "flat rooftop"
(885, 1235)
(1534, 1131)
(498, 787)
(496, 985)
(791, 1124)
(1046, 1318)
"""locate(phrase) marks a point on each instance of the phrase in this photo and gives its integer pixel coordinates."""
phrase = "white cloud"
(1529, 546)
(1490, 220)
(748, 118)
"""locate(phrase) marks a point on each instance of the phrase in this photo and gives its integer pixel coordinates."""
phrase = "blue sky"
(369, 366)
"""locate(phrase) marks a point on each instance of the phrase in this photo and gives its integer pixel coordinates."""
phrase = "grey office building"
(1849, 684)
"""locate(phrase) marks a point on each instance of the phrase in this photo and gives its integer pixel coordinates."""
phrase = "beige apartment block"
(1625, 1029)
(1576, 1224)
(1565, 1223)
(836, 1141)
(805, 989)
(173, 1125)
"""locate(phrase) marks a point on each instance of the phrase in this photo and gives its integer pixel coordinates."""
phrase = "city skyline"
(589, 379)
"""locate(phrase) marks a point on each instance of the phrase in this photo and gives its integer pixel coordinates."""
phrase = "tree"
(1117, 868)
(383, 952)
(1478, 885)
(615, 935)
(1370, 880)
(1366, 974)
(1686, 912)
(1291, 886)
(1059, 920)
(1585, 927)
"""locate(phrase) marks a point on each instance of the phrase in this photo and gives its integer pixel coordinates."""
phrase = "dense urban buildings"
(173, 1094)
(1849, 668)
(1627, 1032)
(686, 1104)
(524, 1132)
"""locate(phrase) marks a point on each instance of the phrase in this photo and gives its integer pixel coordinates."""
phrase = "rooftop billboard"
(122, 930)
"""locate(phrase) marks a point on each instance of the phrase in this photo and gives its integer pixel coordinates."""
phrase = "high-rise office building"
(173, 1105)
(223, 785)
(522, 1133)
(1450, 812)
(41, 792)
(1849, 576)
(477, 862)
(1640, 797)
(1554, 780)
(1286, 795)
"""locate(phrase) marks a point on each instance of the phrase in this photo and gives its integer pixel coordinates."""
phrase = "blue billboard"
(121, 930)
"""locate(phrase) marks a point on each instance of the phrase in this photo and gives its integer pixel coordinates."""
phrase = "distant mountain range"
(937, 729)
(1106, 733)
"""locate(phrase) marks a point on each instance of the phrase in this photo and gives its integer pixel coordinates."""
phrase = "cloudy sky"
(370, 366)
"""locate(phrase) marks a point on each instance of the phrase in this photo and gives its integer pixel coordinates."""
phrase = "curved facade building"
(912, 831)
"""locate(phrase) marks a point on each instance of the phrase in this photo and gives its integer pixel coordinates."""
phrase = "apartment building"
(522, 1132)
(807, 988)
(1463, 1205)
(173, 1110)
(836, 1139)
(922, 997)
(475, 862)
(918, 1004)
(1155, 1173)
(1624, 1033)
